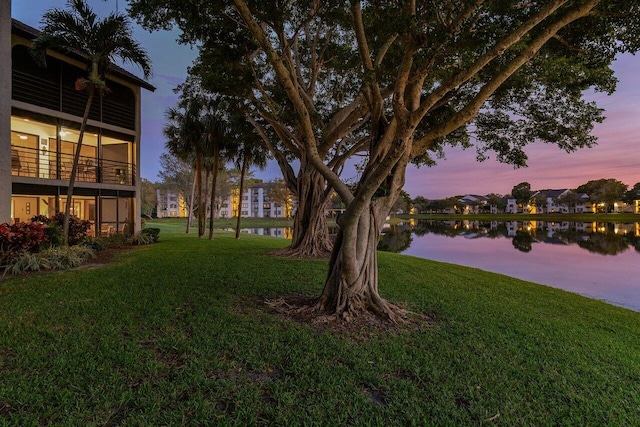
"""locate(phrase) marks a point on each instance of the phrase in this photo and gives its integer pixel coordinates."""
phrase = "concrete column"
(138, 163)
(5, 111)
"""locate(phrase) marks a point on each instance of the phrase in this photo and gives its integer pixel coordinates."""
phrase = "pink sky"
(616, 156)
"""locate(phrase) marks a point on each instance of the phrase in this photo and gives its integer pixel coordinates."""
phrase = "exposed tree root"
(303, 252)
(353, 323)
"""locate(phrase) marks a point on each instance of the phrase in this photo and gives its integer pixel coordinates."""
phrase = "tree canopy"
(521, 193)
(607, 191)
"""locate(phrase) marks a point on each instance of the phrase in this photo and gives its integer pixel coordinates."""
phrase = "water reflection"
(599, 260)
(596, 237)
(396, 238)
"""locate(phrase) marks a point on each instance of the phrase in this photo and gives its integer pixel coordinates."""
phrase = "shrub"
(54, 233)
(77, 227)
(22, 262)
(141, 239)
(153, 232)
(58, 258)
(21, 237)
(95, 243)
(116, 241)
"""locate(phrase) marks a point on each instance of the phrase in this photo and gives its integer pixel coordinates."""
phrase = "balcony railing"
(31, 162)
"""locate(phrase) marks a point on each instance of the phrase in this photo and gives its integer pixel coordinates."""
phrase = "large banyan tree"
(318, 48)
(494, 74)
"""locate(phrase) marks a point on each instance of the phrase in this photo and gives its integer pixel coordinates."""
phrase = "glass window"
(31, 152)
(87, 164)
(116, 161)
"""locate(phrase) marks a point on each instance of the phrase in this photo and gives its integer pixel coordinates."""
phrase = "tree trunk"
(74, 167)
(243, 171)
(351, 287)
(310, 234)
(205, 199)
(199, 184)
(214, 179)
(190, 213)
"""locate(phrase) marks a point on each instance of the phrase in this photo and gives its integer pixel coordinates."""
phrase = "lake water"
(598, 260)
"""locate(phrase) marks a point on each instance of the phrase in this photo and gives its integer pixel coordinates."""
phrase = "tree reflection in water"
(396, 238)
(595, 237)
(522, 241)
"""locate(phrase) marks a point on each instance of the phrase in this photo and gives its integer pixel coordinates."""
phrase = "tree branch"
(470, 111)
(468, 73)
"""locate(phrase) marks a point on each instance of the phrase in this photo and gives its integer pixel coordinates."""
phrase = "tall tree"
(148, 198)
(338, 109)
(605, 191)
(539, 200)
(427, 74)
(185, 134)
(496, 200)
(248, 152)
(99, 42)
(177, 174)
(421, 204)
(522, 193)
(281, 196)
(633, 194)
(215, 133)
(570, 199)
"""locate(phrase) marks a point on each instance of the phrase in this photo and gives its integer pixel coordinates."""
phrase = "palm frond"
(100, 41)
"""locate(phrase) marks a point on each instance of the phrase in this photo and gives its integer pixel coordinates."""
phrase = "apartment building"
(39, 125)
(170, 204)
(257, 203)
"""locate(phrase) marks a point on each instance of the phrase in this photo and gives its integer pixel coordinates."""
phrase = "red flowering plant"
(20, 237)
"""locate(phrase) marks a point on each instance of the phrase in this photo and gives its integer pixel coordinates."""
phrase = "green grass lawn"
(177, 333)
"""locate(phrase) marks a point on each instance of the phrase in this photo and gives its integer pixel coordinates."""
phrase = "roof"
(471, 198)
(266, 185)
(553, 194)
(23, 30)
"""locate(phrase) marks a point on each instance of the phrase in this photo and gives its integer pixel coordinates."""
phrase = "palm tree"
(184, 131)
(215, 134)
(99, 42)
(249, 152)
(178, 148)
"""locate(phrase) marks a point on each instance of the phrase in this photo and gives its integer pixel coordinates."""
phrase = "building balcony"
(34, 163)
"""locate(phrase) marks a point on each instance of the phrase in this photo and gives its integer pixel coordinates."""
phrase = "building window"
(33, 148)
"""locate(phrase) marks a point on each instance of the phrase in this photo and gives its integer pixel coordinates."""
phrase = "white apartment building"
(170, 205)
(256, 203)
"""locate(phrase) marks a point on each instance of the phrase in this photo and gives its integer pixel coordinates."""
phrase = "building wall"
(255, 204)
(5, 110)
(170, 205)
